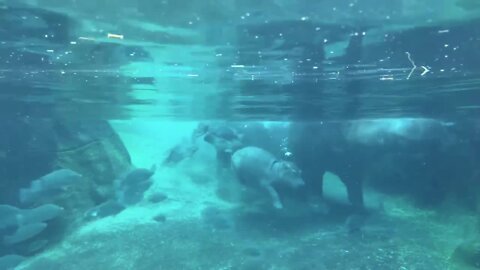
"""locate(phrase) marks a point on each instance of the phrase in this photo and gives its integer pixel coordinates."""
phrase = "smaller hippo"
(256, 167)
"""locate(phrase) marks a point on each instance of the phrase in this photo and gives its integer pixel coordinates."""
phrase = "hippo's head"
(290, 174)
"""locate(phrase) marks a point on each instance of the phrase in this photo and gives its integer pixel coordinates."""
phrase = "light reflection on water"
(245, 69)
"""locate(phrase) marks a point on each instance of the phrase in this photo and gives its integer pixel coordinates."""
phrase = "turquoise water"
(271, 134)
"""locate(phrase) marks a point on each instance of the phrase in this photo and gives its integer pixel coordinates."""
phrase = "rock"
(216, 218)
(160, 218)
(48, 185)
(467, 255)
(28, 151)
(108, 208)
(11, 216)
(94, 150)
(354, 223)
(180, 152)
(32, 148)
(9, 262)
(157, 197)
(24, 233)
(130, 188)
(37, 246)
(468, 4)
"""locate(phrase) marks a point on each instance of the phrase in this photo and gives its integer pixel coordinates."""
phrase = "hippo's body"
(258, 168)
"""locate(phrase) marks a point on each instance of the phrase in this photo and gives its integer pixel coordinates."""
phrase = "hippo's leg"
(224, 162)
(355, 192)
(274, 194)
(224, 159)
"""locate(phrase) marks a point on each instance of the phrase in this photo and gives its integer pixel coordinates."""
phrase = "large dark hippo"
(414, 156)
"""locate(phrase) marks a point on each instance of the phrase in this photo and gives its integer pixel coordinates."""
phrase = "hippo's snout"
(297, 182)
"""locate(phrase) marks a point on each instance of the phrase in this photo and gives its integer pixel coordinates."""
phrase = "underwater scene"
(239, 134)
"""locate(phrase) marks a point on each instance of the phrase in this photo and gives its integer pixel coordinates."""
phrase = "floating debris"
(414, 67)
(425, 70)
(86, 38)
(114, 36)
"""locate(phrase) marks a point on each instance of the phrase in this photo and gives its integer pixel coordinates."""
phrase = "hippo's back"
(252, 164)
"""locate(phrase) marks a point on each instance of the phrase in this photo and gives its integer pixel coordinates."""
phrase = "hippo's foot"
(275, 198)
